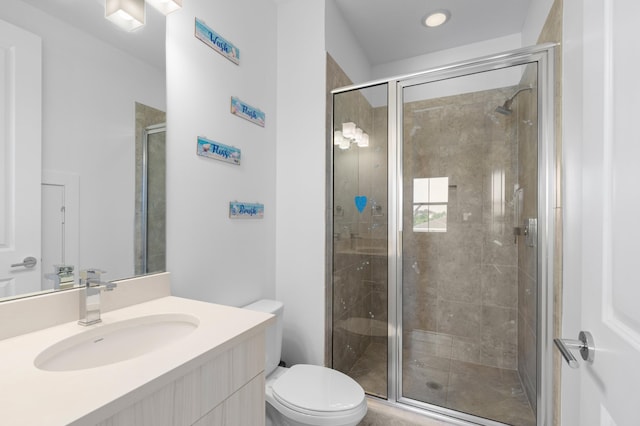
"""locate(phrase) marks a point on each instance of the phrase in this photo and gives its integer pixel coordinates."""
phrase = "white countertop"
(30, 396)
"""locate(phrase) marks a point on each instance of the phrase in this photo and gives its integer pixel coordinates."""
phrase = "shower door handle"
(584, 344)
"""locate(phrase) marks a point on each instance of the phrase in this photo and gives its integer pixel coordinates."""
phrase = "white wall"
(343, 46)
(88, 128)
(448, 56)
(210, 256)
(300, 240)
(345, 49)
(572, 193)
(536, 17)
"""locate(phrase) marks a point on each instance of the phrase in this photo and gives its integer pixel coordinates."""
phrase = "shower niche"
(439, 281)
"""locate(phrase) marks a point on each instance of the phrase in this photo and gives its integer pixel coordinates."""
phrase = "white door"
(20, 158)
(603, 211)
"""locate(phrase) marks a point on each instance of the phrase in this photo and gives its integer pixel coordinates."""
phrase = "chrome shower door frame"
(543, 56)
(151, 130)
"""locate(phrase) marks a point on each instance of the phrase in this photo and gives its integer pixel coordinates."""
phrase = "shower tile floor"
(483, 391)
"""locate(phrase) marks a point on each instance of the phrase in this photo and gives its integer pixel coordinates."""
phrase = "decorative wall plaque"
(247, 112)
(218, 151)
(238, 210)
(217, 42)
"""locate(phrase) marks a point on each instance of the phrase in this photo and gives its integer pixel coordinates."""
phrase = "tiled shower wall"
(461, 284)
(359, 240)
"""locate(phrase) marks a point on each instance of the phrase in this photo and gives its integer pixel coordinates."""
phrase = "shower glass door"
(359, 245)
(468, 250)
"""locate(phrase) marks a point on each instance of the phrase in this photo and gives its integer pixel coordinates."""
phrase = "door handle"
(584, 344)
(28, 262)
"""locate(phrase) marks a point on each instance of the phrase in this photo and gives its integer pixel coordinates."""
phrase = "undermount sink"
(119, 341)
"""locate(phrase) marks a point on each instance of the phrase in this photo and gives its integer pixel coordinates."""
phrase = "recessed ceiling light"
(435, 19)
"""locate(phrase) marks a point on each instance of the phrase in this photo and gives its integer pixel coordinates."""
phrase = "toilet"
(305, 394)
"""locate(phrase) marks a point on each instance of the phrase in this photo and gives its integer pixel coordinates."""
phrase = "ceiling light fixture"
(349, 134)
(436, 18)
(166, 6)
(127, 14)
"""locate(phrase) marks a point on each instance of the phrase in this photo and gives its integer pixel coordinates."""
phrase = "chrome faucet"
(91, 286)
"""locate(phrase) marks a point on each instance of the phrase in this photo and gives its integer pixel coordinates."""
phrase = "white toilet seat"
(315, 395)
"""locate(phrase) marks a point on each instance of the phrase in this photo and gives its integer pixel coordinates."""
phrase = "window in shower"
(430, 198)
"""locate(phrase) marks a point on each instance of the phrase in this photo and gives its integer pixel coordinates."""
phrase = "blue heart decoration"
(361, 202)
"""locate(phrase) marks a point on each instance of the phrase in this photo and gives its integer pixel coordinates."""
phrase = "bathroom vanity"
(209, 372)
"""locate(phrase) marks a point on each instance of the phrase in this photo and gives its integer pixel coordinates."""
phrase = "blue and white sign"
(218, 151)
(217, 42)
(238, 210)
(247, 112)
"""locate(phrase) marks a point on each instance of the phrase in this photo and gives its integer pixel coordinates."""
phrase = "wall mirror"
(74, 194)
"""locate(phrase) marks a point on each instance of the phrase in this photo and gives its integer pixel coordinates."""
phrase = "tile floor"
(483, 391)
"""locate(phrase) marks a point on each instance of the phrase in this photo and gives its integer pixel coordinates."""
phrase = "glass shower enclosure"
(441, 218)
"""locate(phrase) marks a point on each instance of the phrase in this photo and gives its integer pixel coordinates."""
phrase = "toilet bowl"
(306, 394)
(313, 395)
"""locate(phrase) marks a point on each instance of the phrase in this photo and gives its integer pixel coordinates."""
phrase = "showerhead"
(506, 107)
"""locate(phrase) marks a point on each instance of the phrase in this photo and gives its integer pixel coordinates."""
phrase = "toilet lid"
(320, 389)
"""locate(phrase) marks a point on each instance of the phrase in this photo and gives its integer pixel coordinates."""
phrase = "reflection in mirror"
(86, 187)
(150, 236)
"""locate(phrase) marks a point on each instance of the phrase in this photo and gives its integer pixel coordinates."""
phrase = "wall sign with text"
(217, 42)
(247, 112)
(238, 210)
(218, 151)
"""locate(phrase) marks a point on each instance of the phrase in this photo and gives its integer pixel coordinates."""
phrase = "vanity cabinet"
(213, 375)
(225, 390)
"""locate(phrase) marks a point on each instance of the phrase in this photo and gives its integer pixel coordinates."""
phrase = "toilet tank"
(273, 344)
